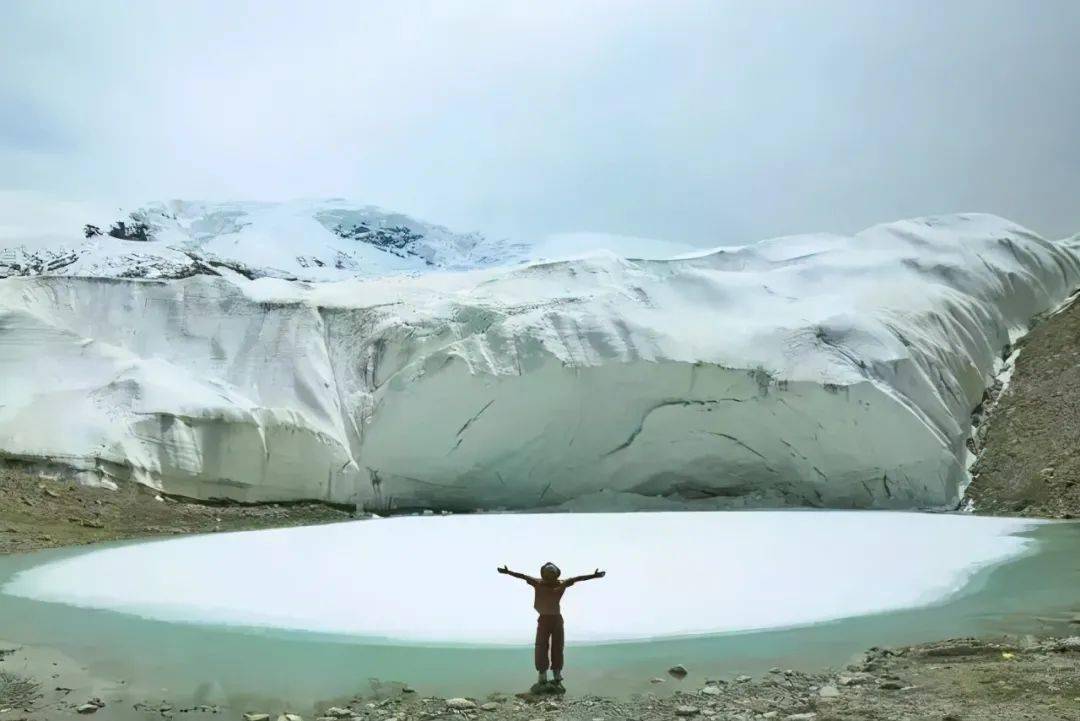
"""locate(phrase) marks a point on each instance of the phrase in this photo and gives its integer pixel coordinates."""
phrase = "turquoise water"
(1036, 593)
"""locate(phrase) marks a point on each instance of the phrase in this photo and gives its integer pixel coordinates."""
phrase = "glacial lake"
(315, 614)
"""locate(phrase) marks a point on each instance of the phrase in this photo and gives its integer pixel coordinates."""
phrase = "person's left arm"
(588, 577)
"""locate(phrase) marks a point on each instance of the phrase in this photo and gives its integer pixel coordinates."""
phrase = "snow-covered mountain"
(305, 240)
(809, 370)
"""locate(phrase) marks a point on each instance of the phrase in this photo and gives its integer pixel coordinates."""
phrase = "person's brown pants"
(549, 629)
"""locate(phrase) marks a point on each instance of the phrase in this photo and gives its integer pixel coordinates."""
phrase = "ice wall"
(809, 370)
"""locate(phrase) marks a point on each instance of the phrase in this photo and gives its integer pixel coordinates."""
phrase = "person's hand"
(503, 569)
(600, 574)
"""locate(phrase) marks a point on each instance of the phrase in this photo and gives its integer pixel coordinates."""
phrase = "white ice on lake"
(433, 579)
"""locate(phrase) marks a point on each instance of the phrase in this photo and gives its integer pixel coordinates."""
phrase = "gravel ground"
(39, 513)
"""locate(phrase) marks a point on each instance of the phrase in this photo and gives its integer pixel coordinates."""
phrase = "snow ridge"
(300, 240)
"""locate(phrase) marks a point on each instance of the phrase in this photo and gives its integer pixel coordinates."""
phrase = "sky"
(706, 123)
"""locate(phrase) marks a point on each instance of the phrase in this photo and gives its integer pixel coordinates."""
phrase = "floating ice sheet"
(433, 579)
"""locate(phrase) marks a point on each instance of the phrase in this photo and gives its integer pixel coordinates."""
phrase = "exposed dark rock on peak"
(395, 239)
(134, 230)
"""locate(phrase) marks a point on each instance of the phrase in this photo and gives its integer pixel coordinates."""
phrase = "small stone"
(408, 689)
(256, 717)
(742, 679)
(711, 690)
(890, 685)
(678, 671)
(686, 711)
(854, 679)
(490, 706)
(808, 716)
(829, 691)
(460, 704)
(88, 708)
(775, 669)
(656, 680)
(338, 712)
(770, 714)
(1072, 643)
(289, 717)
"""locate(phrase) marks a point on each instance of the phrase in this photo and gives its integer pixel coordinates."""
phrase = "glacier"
(750, 570)
(814, 370)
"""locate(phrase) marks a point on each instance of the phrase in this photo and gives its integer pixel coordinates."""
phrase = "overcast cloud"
(708, 123)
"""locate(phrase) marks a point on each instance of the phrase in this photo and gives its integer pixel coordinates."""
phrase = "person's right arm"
(527, 579)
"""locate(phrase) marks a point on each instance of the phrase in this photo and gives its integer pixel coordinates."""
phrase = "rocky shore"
(957, 680)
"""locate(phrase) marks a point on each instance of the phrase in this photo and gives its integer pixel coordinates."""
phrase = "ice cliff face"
(809, 370)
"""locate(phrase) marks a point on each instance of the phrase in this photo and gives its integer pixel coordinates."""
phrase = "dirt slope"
(1030, 463)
